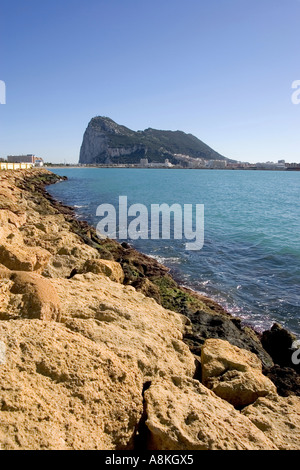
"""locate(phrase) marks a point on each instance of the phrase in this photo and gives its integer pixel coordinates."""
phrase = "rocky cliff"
(91, 358)
(107, 142)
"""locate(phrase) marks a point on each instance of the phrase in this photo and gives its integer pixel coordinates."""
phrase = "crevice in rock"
(198, 369)
(72, 273)
(142, 432)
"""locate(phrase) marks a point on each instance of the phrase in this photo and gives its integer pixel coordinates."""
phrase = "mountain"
(107, 142)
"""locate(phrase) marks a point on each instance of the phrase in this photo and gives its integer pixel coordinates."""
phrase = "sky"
(219, 69)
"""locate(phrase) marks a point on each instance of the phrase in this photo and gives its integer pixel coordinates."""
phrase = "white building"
(39, 162)
(144, 162)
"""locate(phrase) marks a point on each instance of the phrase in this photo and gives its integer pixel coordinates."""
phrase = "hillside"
(105, 141)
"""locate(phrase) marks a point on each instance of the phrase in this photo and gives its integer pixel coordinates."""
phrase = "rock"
(278, 418)
(110, 268)
(141, 332)
(233, 374)
(142, 284)
(37, 297)
(2, 353)
(78, 382)
(278, 343)
(105, 141)
(286, 380)
(183, 415)
(21, 258)
(11, 219)
(61, 391)
(125, 245)
(205, 325)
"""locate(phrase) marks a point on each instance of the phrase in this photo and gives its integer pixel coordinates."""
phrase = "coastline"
(137, 167)
(82, 259)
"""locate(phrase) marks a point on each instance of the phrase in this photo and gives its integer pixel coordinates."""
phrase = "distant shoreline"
(162, 168)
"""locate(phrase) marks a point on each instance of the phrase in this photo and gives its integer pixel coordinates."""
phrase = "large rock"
(286, 380)
(22, 258)
(278, 418)
(234, 374)
(79, 384)
(184, 415)
(205, 326)
(135, 327)
(106, 141)
(27, 295)
(278, 343)
(10, 223)
(59, 390)
(112, 269)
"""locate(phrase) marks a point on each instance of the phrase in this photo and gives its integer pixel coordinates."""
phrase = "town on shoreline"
(14, 162)
(269, 166)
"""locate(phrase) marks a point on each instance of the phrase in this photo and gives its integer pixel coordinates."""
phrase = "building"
(144, 162)
(271, 165)
(29, 158)
(21, 162)
(39, 162)
(166, 164)
(216, 164)
(21, 158)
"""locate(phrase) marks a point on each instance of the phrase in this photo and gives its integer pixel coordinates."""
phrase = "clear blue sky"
(220, 69)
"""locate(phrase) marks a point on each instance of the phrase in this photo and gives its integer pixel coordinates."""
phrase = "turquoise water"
(250, 262)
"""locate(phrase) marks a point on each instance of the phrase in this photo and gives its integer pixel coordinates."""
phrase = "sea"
(250, 260)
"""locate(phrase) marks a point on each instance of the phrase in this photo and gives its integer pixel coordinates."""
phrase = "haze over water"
(250, 262)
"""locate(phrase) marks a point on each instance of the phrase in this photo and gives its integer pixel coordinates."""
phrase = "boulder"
(233, 374)
(148, 288)
(38, 297)
(184, 415)
(8, 217)
(141, 332)
(21, 258)
(61, 391)
(278, 343)
(205, 325)
(278, 418)
(286, 380)
(111, 269)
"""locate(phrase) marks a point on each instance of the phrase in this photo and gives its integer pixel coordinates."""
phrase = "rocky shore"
(100, 348)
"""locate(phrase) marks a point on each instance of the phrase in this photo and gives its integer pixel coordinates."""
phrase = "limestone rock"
(278, 418)
(60, 390)
(77, 382)
(39, 297)
(8, 217)
(234, 374)
(27, 295)
(22, 258)
(112, 269)
(135, 327)
(86, 375)
(106, 141)
(183, 415)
